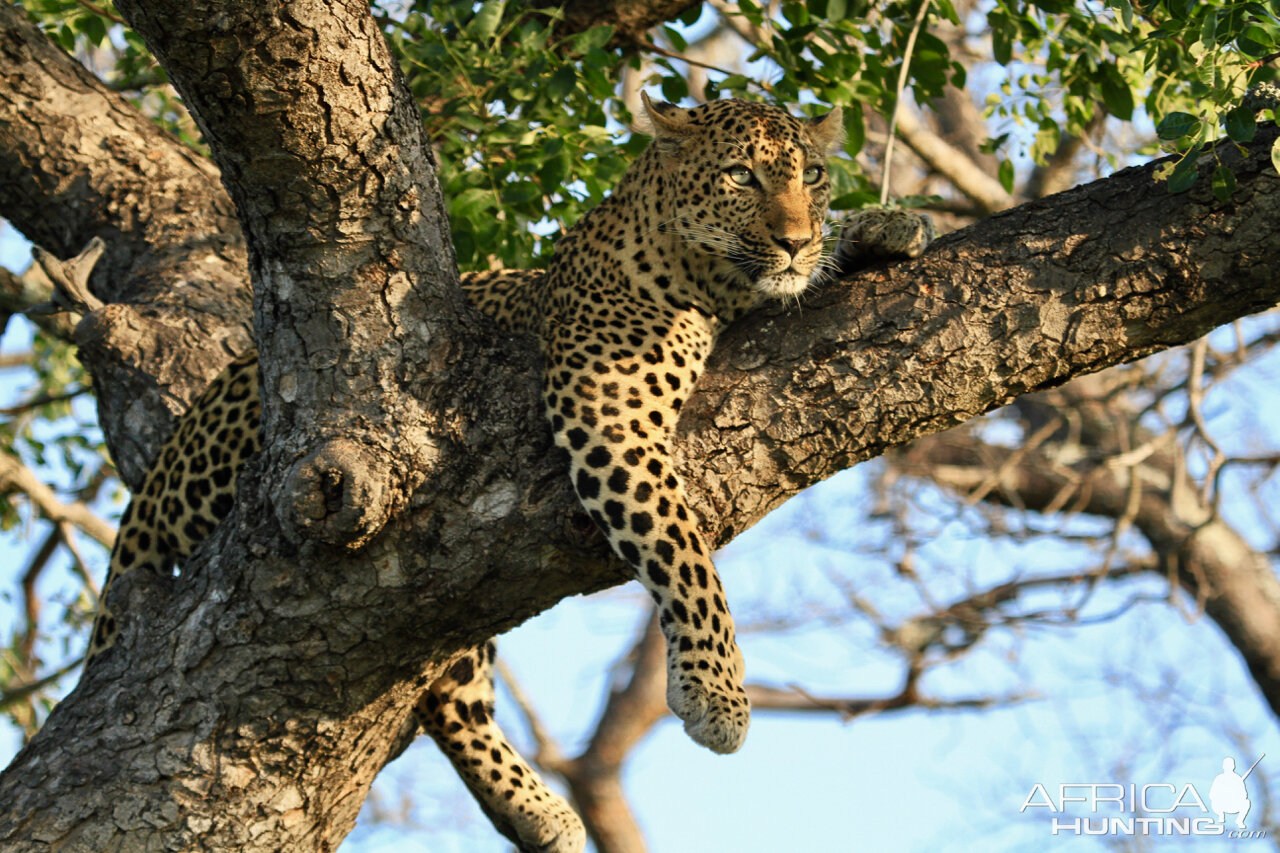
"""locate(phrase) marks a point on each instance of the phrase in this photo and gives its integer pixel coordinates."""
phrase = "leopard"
(725, 209)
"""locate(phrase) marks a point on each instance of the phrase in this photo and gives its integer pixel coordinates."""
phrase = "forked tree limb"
(15, 476)
(78, 161)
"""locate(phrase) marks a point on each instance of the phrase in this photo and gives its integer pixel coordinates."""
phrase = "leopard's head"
(749, 185)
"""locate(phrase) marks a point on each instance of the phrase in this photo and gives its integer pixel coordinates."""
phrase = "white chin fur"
(783, 284)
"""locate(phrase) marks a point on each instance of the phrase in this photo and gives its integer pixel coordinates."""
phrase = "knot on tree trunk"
(340, 494)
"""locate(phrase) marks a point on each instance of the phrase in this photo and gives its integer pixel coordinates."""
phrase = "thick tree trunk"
(250, 703)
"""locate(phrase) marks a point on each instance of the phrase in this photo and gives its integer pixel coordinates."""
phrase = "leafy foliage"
(521, 120)
(1188, 65)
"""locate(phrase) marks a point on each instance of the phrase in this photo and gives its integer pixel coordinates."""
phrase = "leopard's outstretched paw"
(876, 234)
(555, 828)
(715, 710)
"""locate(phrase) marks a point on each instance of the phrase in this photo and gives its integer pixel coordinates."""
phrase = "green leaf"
(562, 82)
(1116, 93)
(593, 39)
(1275, 156)
(1255, 41)
(1241, 124)
(469, 203)
(853, 200)
(1176, 125)
(1005, 173)
(485, 23)
(1046, 141)
(855, 129)
(796, 13)
(1209, 29)
(991, 145)
(553, 171)
(521, 192)
(1224, 182)
(1183, 176)
(1126, 12)
(674, 89)
(947, 11)
(95, 28)
(1001, 45)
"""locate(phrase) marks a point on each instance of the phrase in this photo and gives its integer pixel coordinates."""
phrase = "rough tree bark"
(409, 502)
(78, 161)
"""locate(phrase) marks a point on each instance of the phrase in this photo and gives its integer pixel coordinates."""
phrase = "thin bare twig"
(15, 475)
(671, 54)
(897, 101)
(993, 479)
(1195, 402)
(31, 600)
(17, 694)
(797, 700)
(98, 10)
(42, 400)
(548, 756)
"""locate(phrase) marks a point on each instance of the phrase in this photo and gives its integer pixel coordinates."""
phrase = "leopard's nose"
(793, 245)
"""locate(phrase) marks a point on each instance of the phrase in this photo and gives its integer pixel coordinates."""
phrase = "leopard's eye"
(741, 176)
(813, 174)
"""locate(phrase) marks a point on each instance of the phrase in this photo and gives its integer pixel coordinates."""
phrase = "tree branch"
(631, 19)
(1104, 273)
(796, 700)
(979, 187)
(78, 161)
(1235, 584)
(15, 475)
(335, 223)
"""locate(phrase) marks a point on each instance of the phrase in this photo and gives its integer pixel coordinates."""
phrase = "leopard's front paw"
(715, 708)
(875, 234)
(551, 827)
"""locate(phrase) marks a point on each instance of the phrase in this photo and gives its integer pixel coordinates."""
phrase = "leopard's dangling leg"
(457, 711)
(614, 418)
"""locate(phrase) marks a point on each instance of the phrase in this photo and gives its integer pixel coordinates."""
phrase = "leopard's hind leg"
(190, 488)
(457, 711)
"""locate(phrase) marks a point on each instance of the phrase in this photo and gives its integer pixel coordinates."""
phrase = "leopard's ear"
(827, 131)
(668, 123)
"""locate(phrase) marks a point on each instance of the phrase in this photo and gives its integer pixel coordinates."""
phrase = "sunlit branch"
(15, 475)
